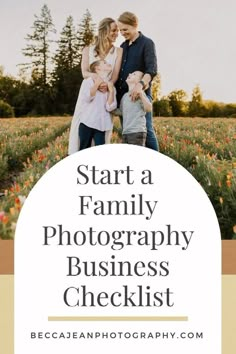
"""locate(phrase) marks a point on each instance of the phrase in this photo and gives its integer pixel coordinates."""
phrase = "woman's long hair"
(102, 43)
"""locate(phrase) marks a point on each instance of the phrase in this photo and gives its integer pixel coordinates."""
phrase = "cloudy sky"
(195, 40)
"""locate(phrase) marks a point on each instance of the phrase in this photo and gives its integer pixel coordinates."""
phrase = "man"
(139, 54)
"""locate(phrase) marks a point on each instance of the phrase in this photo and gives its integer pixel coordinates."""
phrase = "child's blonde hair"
(93, 66)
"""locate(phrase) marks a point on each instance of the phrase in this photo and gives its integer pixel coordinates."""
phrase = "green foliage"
(67, 75)
(66, 91)
(85, 32)
(6, 111)
(67, 53)
(230, 110)
(213, 109)
(38, 50)
(38, 46)
(20, 138)
(40, 161)
(162, 108)
(55, 79)
(178, 103)
(196, 105)
(207, 149)
(8, 88)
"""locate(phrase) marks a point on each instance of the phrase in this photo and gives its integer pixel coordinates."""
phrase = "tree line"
(49, 81)
(176, 104)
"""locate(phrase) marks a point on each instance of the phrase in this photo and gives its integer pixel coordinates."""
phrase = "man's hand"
(103, 87)
(137, 90)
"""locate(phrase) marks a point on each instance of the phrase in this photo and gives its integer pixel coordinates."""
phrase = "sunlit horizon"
(194, 41)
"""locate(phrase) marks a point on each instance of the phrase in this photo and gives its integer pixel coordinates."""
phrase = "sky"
(195, 39)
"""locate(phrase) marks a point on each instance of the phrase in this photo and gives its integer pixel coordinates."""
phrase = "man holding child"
(139, 54)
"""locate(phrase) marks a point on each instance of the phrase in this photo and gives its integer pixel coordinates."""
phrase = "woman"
(139, 54)
(102, 48)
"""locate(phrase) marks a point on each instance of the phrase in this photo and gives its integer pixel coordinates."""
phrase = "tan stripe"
(229, 257)
(7, 256)
(117, 318)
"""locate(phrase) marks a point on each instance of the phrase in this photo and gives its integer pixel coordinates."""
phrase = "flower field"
(205, 147)
(19, 138)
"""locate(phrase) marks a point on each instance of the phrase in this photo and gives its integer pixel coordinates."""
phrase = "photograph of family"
(157, 75)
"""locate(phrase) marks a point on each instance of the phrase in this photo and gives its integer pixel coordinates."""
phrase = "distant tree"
(24, 99)
(7, 88)
(178, 102)
(156, 87)
(213, 109)
(67, 73)
(39, 51)
(66, 53)
(38, 46)
(230, 110)
(196, 103)
(162, 108)
(6, 111)
(85, 33)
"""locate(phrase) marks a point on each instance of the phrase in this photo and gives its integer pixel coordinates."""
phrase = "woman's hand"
(110, 86)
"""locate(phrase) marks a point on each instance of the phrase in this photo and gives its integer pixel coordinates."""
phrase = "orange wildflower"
(5, 219)
(17, 201)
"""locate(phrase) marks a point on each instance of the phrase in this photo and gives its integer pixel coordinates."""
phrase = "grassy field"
(206, 147)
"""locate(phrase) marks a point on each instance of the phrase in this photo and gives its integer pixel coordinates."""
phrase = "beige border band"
(117, 318)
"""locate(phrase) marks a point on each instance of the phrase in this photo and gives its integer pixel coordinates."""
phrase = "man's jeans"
(151, 140)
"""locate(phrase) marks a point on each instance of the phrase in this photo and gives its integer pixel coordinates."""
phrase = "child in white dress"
(94, 107)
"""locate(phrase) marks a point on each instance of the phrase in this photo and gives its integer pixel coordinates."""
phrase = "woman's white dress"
(74, 129)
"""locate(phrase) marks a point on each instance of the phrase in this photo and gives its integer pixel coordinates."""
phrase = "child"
(133, 113)
(93, 109)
